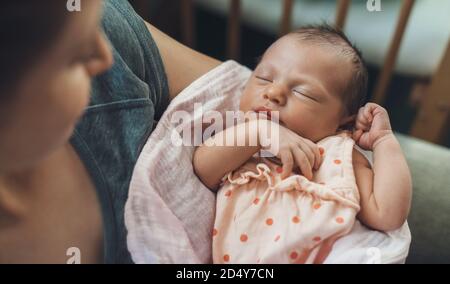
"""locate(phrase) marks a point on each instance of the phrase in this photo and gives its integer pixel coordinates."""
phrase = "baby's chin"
(311, 135)
(322, 136)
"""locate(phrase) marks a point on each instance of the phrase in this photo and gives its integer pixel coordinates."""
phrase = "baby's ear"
(347, 122)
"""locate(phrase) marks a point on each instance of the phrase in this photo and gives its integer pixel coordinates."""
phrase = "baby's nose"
(276, 94)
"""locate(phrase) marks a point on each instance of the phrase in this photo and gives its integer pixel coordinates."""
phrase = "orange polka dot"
(317, 239)
(321, 150)
(269, 221)
(340, 220)
(256, 201)
(296, 219)
(316, 206)
(214, 232)
(293, 255)
(226, 258)
(228, 193)
(276, 238)
(322, 183)
(279, 170)
(337, 161)
(244, 238)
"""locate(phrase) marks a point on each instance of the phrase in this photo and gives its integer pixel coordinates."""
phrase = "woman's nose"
(102, 60)
(276, 94)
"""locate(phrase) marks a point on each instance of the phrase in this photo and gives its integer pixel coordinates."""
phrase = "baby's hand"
(295, 151)
(372, 124)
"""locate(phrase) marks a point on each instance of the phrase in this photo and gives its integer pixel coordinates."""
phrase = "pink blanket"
(169, 214)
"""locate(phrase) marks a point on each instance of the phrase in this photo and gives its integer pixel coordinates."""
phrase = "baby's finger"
(368, 112)
(361, 126)
(315, 150)
(288, 162)
(357, 134)
(361, 116)
(303, 163)
(303, 145)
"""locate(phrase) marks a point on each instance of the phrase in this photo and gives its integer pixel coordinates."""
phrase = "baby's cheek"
(316, 129)
(302, 127)
(246, 101)
(326, 128)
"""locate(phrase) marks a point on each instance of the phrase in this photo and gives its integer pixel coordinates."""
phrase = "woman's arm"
(182, 64)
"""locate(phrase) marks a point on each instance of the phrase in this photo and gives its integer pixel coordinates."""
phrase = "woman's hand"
(293, 150)
(372, 125)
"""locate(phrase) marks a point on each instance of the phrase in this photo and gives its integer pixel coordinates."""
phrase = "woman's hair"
(27, 29)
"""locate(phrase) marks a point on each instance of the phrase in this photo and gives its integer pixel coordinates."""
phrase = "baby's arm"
(387, 188)
(211, 162)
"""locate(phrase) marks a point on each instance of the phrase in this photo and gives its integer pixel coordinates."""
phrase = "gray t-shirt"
(125, 103)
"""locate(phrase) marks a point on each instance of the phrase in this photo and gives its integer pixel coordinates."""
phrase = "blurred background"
(405, 42)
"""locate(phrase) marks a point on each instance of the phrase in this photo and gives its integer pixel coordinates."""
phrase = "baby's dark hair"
(356, 90)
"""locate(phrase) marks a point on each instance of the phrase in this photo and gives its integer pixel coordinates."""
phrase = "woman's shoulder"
(125, 103)
(138, 71)
(126, 100)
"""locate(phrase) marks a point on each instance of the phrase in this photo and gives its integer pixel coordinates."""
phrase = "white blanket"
(169, 214)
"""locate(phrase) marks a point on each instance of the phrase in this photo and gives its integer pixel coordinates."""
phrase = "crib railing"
(433, 116)
(385, 76)
(433, 119)
(233, 43)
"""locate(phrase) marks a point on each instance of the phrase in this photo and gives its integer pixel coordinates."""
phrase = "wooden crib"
(432, 120)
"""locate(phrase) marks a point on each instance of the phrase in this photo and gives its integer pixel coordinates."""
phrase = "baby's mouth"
(264, 111)
(269, 114)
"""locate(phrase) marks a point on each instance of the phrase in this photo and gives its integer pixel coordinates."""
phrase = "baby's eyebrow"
(266, 66)
(263, 66)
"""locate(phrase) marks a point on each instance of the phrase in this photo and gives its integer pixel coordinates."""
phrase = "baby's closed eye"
(302, 94)
(265, 79)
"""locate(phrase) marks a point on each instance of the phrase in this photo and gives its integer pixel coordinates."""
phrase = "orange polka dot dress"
(261, 218)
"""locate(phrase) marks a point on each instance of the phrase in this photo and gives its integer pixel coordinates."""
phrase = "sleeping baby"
(293, 206)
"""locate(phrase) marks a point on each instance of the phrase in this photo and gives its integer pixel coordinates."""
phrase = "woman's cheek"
(74, 94)
(69, 96)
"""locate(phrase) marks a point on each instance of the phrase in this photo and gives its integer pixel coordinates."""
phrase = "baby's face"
(304, 82)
